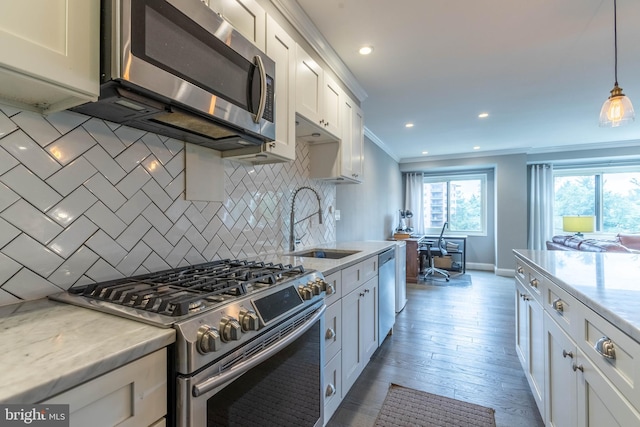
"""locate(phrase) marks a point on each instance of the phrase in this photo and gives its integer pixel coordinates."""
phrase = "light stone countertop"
(49, 347)
(606, 282)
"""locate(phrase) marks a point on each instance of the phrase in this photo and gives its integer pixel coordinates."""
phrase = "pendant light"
(617, 109)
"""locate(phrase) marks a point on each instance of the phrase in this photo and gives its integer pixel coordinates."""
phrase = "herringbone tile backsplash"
(83, 200)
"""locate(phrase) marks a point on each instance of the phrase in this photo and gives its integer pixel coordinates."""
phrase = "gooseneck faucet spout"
(293, 222)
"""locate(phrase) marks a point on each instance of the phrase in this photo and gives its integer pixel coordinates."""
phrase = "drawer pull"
(604, 346)
(331, 390)
(558, 305)
(330, 334)
(534, 283)
(577, 368)
(525, 297)
(567, 354)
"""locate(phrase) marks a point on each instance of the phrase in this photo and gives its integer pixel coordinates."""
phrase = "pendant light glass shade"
(617, 109)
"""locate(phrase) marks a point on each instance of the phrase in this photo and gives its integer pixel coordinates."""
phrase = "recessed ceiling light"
(408, 125)
(425, 152)
(365, 50)
(483, 115)
(477, 147)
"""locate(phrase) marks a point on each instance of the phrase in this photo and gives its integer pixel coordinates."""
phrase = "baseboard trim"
(506, 272)
(480, 266)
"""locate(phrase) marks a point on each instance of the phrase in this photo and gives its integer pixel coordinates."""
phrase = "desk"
(458, 257)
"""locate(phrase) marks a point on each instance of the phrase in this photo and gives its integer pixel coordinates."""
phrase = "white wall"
(369, 211)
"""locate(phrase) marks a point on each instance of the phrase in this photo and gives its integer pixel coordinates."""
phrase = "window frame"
(597, 173)
(447, 178)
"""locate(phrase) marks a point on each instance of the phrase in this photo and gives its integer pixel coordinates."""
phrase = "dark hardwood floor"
(455, 341)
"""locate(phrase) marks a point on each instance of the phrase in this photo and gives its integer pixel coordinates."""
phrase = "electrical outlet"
(337, 215)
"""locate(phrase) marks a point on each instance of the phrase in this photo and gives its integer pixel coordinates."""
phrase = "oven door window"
(168, 39)
(282, 391)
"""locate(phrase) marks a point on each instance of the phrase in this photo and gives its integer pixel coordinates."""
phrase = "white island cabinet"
(50, 53)
(590, 349)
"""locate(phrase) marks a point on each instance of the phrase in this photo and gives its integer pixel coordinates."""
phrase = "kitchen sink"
(325, 253)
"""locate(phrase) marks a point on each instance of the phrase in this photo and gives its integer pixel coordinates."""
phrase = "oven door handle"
(215, 381)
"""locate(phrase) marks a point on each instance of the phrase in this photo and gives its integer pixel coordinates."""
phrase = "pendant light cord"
(615, 40)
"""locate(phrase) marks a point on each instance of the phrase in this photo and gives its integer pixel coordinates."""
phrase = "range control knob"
(315, 287)
(230, 329)
(249, 320)
(326, 287)
(208, 339)
(305, 292)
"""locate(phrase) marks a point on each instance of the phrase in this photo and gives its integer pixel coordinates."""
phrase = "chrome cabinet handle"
(558, 305)
(330, 334)
(567, 354)
(604, 346)
(520, 270)
(577, 368)
(330, 290)
(534, 283)
(525, 297)
(331, 390)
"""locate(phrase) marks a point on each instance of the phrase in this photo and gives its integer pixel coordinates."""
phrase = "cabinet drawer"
(563, 308)
(335, 281)
(332, 386)
(133, 395)
(533, 281)
(333, 330)
(357, 274)
(623, 369)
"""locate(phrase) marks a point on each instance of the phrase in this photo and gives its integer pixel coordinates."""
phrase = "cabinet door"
(599, 402)
(522, 333)
(50, 53)
(246, 16)
(309, 90)
(536, 371)
(347, 113)
(333, 330)
(561, 392)
(333, 386)
(331, 106)
(357, 145)
(282, 49)
(352, 357)
(369, 319)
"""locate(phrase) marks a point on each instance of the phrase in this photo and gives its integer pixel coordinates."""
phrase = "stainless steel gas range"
(248, 348)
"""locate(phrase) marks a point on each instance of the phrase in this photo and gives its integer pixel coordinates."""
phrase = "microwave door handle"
(263, 89)
(215, 381)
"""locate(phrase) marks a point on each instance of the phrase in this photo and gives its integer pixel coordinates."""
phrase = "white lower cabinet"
(351, 329)
(133, 395)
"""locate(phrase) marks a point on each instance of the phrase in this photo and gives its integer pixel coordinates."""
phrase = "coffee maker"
(402, 226)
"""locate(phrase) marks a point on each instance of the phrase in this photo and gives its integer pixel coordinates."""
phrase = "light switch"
(337, 215)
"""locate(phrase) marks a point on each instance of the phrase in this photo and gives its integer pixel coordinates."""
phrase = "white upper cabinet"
(50, 53)
(282, 49)
(340, 161)
(246, 16)
(318, 97)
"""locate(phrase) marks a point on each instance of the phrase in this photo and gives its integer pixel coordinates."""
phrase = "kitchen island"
(578, 335)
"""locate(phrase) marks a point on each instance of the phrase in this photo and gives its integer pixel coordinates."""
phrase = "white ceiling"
(541, 69)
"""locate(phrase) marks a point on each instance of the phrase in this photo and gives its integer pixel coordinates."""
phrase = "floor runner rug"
(405, 407)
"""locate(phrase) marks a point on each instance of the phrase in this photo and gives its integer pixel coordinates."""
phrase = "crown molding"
(301, 22)
(372, 136)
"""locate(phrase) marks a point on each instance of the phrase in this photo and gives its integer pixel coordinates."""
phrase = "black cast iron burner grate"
(190, 289)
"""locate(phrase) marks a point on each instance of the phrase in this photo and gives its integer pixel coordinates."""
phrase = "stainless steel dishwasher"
(386, 293)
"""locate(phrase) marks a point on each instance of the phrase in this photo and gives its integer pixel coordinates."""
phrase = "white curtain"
(413, 200)
(540, 206)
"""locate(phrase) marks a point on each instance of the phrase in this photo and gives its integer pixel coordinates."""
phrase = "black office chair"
(434, 249)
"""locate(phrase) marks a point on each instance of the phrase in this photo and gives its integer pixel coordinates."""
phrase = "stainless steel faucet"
(292, 239)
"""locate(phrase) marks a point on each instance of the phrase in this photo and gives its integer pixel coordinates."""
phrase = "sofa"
(621, 243)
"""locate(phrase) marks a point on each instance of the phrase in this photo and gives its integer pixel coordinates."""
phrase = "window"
(611, 194)
(459, 200)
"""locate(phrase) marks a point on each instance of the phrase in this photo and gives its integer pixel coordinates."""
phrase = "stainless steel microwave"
(176, 68)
